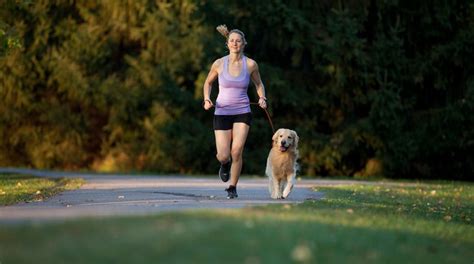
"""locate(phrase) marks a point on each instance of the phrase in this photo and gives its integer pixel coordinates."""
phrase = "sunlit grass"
(438, 210)
(352, 224)
(15, 188)
(450, 202)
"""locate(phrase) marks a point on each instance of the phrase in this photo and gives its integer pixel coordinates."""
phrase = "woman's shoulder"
(218, 63)
(250, 60)
(251, 64)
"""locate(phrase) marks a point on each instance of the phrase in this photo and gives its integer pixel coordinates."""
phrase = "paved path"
(104, 195)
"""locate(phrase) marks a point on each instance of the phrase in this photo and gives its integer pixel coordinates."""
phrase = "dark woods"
(372, 87)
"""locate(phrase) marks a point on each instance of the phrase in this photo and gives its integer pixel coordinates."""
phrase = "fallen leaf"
(301, 253)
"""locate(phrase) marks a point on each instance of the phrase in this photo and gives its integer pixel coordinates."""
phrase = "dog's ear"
(297, 139)
(275, 136)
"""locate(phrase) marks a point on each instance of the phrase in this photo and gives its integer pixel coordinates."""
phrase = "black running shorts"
(226, 122)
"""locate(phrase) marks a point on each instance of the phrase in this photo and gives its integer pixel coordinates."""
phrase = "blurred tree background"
(373, 88)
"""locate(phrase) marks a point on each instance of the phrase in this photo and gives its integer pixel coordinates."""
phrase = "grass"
(15, 188)
(388, 223)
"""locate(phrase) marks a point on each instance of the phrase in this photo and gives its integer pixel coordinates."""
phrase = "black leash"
(268, 117)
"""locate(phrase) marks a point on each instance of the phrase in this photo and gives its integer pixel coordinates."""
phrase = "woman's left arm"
(257, 81)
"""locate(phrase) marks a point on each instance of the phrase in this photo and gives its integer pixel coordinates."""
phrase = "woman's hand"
(207, 104)
(262, 102)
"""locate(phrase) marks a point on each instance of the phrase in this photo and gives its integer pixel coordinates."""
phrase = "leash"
(266, 112)
(268, 117)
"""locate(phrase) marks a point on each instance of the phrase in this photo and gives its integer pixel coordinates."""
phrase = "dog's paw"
(287, 192)
(276, 197)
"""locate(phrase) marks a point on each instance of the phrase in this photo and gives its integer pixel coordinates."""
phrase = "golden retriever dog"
(281, 163)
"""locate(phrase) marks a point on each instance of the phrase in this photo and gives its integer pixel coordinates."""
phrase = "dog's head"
(285, 139)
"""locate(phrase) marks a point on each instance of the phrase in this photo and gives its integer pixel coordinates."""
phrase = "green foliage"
(372, 87)
(9, 39)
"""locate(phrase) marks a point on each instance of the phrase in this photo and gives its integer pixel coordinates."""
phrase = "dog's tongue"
(283, 149)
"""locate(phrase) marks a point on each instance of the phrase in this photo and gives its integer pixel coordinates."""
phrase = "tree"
(372, 87)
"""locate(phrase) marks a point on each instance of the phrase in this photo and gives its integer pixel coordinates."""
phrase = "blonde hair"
(225, 32)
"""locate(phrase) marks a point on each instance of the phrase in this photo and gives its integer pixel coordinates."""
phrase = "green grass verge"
(415, 223)
(15, 188)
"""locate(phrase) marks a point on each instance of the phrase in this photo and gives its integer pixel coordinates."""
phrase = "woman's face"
(235, 43)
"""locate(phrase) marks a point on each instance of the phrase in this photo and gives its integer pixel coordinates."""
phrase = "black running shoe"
(231, 192)
(224, 171)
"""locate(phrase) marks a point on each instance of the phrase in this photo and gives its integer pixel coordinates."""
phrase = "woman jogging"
(232, 115)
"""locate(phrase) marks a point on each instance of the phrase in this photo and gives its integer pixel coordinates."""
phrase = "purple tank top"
(232, 98)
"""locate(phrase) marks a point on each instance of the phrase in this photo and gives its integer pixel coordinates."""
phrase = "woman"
(232, 116)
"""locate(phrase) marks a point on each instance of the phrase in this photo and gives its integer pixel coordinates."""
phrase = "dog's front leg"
(289, 185)
(276, 194)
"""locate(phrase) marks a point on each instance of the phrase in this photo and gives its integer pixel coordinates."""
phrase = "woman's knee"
(223, 157)
(236, 153)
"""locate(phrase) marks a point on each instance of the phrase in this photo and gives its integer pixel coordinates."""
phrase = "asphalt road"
(119, 195)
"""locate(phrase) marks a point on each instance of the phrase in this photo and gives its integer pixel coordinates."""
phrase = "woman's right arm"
(211, 77)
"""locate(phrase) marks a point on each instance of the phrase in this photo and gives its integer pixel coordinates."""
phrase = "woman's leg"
(239, 136)
(223, 140)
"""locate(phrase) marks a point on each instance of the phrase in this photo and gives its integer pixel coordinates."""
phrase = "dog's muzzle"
(283, 146)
